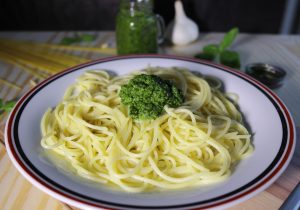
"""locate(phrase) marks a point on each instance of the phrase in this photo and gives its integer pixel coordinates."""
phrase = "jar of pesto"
(138, 29)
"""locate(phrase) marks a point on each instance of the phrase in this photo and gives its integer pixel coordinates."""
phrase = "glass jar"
(138, 29)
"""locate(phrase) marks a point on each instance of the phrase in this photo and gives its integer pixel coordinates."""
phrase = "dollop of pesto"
(146, 95)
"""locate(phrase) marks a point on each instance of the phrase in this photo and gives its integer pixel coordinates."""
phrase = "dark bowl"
(268, 74)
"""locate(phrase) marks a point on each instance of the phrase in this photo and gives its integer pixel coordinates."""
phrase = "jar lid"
(268, 74)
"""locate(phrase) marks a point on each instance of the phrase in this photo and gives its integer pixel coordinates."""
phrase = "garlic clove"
(184, 30)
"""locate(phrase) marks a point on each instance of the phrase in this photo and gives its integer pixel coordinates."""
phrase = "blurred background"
(255, 16)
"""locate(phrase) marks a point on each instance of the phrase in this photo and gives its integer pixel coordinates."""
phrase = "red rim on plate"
(266, 178)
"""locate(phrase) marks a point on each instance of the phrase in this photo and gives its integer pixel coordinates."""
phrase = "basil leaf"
(77, 38)
(87, 37)
(69, 40)
(228, 39)
(230, 58)
(211, 49)
(210, 52)
(9, 105)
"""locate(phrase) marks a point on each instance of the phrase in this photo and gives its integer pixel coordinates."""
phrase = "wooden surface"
(18, 193)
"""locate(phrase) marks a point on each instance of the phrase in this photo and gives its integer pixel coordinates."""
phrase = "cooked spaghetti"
(194, 144)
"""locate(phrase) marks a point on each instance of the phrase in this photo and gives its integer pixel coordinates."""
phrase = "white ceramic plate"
(269, 120)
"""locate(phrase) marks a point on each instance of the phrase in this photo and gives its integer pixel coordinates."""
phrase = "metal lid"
(268, 74)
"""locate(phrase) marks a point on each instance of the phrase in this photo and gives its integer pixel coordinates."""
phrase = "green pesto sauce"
(136, 33)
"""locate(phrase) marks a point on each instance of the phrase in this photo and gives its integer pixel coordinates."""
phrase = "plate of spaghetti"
(150, 132)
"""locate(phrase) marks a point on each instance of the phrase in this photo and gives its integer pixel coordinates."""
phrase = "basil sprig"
(77, 39)
(6, 107)
(220, 53)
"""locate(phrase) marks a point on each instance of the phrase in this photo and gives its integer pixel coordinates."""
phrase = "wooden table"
(284, 51)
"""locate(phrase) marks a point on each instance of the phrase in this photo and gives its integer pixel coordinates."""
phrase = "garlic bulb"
(184, 30)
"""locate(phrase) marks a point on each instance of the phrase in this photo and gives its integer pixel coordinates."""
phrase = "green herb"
(69, 40)
(228, 39)
(211, 49)
(88, 37)
(77, 39)
(219, 52)
(230, 58)
(146, 96)
(6, 107)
